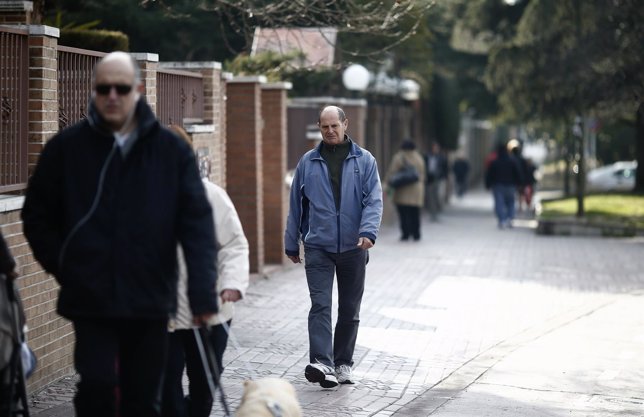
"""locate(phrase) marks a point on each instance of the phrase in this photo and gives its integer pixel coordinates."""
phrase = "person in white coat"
(232, 282)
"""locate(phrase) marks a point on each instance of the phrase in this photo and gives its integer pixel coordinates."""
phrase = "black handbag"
(404, 176)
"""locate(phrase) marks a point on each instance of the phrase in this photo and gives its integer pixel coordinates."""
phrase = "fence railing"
(179, 96)
(14, 119)
(75, 71)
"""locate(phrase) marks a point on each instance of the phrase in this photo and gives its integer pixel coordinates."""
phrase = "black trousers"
(183, 351)
(409, 221)
(121, 364)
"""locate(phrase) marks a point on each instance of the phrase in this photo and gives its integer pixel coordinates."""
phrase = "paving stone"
(470, 321)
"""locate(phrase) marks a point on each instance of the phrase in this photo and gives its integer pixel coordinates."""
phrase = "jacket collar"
(143, 113)
(354, 150)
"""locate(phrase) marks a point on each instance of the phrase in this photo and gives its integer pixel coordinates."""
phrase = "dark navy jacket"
(120, 257)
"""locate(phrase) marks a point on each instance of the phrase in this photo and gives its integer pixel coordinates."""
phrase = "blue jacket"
(313, 217)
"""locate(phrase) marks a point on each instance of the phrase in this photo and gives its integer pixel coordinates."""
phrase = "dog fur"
(269, 397)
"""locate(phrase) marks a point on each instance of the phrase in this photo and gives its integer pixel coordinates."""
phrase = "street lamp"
(355, 77)
(409, 90)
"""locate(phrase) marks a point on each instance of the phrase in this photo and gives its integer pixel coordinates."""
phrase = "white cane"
(207, 358)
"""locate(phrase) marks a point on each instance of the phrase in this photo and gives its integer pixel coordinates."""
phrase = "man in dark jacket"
(503, 176)
(107, 204)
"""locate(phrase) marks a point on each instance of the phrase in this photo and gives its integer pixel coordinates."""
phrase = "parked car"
(619, 176)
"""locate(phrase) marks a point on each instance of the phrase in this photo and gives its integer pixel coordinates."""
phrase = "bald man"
(109, 200)
(335, 211)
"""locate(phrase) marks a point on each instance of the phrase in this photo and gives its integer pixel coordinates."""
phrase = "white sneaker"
(343, 372)
(322, 374)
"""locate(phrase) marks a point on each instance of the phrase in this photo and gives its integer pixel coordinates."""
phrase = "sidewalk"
(470, 321)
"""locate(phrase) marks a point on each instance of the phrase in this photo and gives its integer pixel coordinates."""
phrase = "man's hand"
(365, 243)
(295, 259)
(202, 319)
(232, 296)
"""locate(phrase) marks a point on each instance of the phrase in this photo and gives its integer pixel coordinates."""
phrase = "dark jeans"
(183, 350)
(504, 202)
(409, 221)
(349, 267)
(121, 364)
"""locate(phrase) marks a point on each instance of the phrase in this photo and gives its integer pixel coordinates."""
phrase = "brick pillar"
(274, 146)
(50, 336)
(223, 119)
(244, 160)
(211, 139)
(14, 12)
(148, 64)
(43, 89)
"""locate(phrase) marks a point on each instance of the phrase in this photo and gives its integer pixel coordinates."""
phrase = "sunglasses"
(121, 89)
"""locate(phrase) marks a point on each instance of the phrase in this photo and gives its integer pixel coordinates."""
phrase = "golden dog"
(269, 397)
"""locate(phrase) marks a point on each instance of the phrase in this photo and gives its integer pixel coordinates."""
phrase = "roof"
(318, 44)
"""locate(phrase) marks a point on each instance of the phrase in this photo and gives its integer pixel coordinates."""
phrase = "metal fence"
(75, 69)
(14, 119)
(179, 96)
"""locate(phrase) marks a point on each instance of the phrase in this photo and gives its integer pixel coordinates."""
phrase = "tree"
(574, 58)
(176, 28)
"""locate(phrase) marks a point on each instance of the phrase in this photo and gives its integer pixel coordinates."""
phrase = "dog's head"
(269, 397)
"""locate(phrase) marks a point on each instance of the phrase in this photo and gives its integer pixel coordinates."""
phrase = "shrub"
(95, 40)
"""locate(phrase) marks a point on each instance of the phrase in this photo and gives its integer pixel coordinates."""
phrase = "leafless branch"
(393, 21)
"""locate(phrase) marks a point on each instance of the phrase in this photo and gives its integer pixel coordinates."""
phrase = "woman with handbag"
(408, 197)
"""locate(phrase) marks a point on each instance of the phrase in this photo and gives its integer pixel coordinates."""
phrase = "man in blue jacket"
(335, 210)
(105, 208)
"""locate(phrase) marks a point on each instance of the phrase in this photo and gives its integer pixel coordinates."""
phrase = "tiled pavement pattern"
(470, 321)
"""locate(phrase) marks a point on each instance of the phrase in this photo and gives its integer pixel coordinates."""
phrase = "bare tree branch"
(393, 21)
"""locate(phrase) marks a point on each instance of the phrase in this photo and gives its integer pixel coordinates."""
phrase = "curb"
(584, 227)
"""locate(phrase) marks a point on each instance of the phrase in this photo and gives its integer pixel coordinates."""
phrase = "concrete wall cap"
(283, 85)
(145, 56)
(260, 79)
(191, 65)
(10, 203)
(42, 30)
(200, 128)
(11, 5)
(227, 76)
(331, 101)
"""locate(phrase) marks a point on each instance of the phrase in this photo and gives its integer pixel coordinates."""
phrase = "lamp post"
(409, 90)
(355, 77)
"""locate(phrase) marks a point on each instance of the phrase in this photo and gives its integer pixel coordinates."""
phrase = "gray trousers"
(349, 267)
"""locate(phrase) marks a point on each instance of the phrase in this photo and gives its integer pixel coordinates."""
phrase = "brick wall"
(43, 89)
(148, 64)
(208, 137)
(244, 160)
(275, 195)
(13, 12)
(49, 335)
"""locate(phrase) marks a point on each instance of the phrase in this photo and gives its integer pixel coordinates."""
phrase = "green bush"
(95, 40)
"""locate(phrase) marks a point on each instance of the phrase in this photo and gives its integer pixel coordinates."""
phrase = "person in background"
(109, 201)
(502, 177)
(409, 198)
(514, 148)
(530, 183)
(232, 282)
(335, 209)
(461, 169)
(436, 164)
